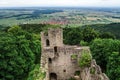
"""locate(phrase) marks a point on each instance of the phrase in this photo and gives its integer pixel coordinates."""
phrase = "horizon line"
(59, 6)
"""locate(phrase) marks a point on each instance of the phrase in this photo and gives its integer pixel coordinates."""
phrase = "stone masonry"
(57, 62)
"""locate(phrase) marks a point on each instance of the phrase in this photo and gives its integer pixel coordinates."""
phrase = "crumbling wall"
(92, 73)
(60, 62)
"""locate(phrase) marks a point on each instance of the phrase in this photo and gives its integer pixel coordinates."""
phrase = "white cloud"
(102, 3)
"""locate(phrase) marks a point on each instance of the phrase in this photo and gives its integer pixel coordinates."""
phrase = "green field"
(64, 16)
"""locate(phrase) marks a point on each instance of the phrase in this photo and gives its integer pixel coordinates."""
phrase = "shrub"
(36, 74)
(85, 59)
(83, 43)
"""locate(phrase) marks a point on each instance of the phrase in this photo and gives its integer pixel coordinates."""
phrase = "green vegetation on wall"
(74, 56)
(85, 59)
(92, 70)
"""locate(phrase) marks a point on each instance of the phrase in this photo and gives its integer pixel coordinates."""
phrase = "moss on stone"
(92, 70)
(73, 56)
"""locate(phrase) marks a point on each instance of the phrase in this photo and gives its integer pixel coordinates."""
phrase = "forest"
(20, 48)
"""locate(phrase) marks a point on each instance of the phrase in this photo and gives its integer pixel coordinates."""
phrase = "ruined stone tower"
(57, 60)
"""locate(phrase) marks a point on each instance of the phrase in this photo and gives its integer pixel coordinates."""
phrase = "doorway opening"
(53, 76)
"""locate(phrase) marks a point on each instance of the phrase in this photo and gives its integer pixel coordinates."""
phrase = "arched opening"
(50, 60)
(55, 49)
(77, 73)
(53, 76)
(47, 42)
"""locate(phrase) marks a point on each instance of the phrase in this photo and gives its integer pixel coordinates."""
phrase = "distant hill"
(113, 28)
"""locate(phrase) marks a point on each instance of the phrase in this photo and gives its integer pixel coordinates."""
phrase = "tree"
(113, 66)
(89, 34)
(107, 35)
(72, 36)
(19, 52)
(83, 43)
(101, 50)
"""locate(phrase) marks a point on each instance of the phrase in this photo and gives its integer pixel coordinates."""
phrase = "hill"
(113, 28)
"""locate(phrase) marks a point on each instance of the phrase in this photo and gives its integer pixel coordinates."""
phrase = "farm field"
(63, 16)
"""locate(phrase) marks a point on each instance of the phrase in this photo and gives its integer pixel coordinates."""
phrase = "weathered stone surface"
(57, 62)
(93, 72)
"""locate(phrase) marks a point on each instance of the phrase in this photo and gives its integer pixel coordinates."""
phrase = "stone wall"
(54, 37)
(60, 62)
(93, 72)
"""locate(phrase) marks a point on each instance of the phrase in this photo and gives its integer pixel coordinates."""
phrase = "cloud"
(84, 3)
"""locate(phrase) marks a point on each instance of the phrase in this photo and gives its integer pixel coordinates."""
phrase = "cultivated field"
(64, 16)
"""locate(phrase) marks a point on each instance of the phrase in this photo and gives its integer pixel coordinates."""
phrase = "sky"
(60, 3)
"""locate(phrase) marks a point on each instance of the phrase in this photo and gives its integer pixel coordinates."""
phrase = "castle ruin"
(57, 60)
